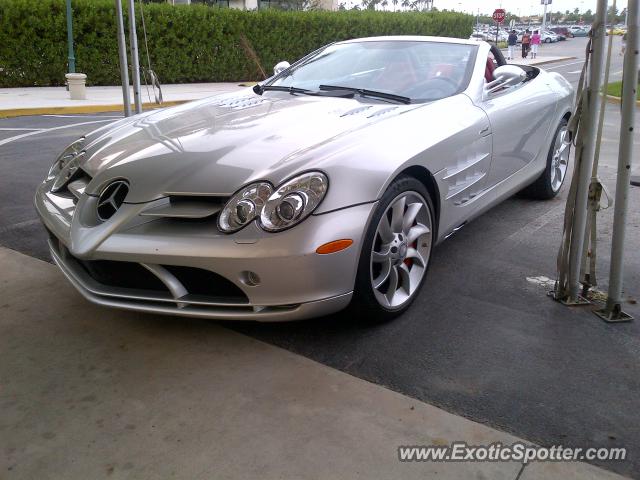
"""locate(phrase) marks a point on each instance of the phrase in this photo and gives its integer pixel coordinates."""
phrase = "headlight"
(65, 157)
(244, 207)
(294, 201)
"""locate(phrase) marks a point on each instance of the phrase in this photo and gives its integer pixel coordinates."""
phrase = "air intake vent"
(122, 274)
(204, 282)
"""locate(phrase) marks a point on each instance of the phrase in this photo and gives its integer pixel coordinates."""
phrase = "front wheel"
(550, 181)
(396, 252)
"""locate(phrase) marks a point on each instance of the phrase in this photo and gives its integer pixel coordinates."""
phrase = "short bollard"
(77, 88)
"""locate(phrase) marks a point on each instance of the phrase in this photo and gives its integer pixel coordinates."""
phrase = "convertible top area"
(413, 38)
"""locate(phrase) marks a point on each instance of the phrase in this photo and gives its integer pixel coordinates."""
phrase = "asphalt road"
(482, 340)
(575, 47)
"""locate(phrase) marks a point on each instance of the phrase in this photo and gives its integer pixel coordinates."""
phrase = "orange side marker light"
(333, 247)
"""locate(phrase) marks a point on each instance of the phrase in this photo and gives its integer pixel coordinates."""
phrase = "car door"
(520, 118)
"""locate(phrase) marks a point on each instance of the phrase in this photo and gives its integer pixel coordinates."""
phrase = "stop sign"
(499, 15)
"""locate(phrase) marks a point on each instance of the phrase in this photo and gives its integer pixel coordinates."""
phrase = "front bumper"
(294, 281)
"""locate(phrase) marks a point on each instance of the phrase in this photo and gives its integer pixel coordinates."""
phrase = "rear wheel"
(396, 252)
(549, 183)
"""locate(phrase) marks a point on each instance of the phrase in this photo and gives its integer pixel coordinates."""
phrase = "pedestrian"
(535, 43)
(526, 42)
(512, 42)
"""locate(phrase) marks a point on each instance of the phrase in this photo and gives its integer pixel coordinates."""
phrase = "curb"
(553, 61)
(618, 100)
(542, 62)
(117, 107)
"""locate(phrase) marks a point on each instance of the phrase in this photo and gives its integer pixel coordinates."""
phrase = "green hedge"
(187, 43)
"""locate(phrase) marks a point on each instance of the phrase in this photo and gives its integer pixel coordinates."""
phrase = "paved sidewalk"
(94, 393)
(43, 100)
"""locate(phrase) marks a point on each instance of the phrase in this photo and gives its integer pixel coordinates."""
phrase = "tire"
(547, 40)
(394, 251)
(548, 184)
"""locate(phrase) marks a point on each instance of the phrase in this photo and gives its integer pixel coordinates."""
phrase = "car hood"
(216, 145)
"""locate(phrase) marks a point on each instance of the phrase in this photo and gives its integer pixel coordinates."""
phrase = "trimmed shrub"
(187, 43)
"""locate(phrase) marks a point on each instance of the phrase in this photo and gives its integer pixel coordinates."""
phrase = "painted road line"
(7, 129)
(84, 116)
(575, 71)
(46, 130)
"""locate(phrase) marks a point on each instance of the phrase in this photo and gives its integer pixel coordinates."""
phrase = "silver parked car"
(327, 185)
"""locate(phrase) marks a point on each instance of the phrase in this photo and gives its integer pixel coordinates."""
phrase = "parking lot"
(482, 341)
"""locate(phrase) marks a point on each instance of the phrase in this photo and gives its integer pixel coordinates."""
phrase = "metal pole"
(544, 17)
(626, 17)
(72, 58)
(584, 174)
(122, 53)
(613, 310)
(135, 66)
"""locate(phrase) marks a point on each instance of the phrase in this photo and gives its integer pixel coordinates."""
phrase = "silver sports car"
(325, 186)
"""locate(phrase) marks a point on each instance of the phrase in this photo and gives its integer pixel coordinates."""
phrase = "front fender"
(443, 134)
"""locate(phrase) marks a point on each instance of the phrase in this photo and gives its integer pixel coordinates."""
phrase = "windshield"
(421, 71)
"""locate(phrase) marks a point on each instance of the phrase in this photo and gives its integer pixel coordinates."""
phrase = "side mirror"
(280, 66)
(506, 76)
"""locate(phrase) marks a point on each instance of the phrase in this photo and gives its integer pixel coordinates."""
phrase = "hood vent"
(238, 103)
(355, 111)
(382, 111)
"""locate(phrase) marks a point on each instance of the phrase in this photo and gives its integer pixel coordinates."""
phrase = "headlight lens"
(65, 157)
(244, 207)
(294, 201)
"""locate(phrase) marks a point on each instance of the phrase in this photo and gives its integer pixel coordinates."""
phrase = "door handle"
(484, 130)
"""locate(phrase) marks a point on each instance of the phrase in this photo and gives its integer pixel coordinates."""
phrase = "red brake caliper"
(409, 261)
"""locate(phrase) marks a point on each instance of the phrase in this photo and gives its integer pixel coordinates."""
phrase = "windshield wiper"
(368, 93)
(259, 89)
(346, 93)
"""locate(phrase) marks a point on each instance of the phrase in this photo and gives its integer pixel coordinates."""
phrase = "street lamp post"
(72, 58)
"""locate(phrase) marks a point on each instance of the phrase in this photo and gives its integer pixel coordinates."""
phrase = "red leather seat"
(488, 71)
(396, 76)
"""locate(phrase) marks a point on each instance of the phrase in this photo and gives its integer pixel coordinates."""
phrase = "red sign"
(499, 15)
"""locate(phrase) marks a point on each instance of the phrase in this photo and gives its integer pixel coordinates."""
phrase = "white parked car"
(478, 37)
(549, 37)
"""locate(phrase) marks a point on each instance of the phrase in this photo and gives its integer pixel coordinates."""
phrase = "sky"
(526, 7)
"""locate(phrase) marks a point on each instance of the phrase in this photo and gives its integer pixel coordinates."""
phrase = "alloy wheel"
(560, 158)
(401, 250)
